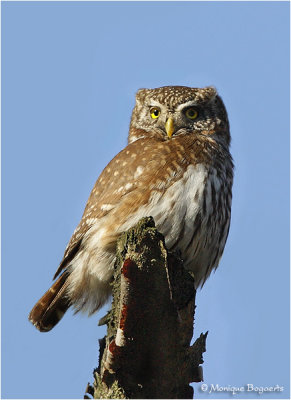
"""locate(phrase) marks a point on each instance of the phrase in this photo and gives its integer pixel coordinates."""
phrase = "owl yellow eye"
(191, 113)
(155, 112)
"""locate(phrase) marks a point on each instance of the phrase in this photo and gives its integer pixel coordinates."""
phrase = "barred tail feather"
(49, 310)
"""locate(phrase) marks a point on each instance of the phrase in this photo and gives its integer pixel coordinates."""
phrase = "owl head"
(170, 111)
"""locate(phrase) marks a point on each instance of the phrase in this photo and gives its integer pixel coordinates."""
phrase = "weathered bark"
(147, 352)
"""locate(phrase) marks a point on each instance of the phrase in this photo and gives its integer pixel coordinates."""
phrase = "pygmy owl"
(176, 168)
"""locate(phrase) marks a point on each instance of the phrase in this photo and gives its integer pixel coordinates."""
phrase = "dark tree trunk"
(147, 352)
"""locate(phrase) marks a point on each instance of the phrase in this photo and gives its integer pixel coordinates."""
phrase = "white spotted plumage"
(184, 183)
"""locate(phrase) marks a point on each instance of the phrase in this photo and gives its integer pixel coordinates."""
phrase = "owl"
(177, 168)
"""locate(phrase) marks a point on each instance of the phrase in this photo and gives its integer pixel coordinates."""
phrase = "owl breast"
(194, 216)
(184, 184)
(176, 168)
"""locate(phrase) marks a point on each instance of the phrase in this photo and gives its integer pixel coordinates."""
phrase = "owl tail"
(49, 310)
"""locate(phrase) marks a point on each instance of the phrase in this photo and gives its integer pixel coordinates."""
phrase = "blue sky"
(70, 71)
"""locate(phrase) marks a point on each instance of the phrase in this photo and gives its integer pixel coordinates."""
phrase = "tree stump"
(147, 352)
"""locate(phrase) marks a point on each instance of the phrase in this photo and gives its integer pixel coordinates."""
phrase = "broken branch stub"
(147, 352)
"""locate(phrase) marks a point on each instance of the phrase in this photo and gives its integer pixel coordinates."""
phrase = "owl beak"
(169, 126)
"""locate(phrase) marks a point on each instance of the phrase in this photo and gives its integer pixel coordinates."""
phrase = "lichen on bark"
(146, 352)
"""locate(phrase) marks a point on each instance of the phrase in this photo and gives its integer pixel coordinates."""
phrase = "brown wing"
(100, 193)
(68, 257)
(130, 176)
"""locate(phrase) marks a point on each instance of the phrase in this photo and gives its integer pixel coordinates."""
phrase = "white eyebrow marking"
(187, 104)
(154, 103)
